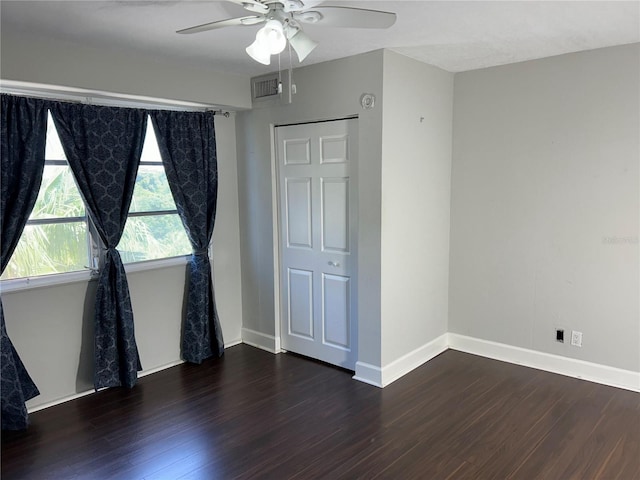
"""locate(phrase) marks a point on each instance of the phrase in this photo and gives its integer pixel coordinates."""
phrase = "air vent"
(265, 87)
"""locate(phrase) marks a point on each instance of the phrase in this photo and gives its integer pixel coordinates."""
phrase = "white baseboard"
(144, 373)
(261, 340)
(413, 359)
(381, 377)
(233, 343)
(593, 372)
(368, 373)
(84, 393)
(141, 374)
(67, 398)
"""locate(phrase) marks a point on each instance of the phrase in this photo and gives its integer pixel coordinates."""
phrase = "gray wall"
(545, 205)
(403, 181)
(325, 91)
(30, 58)
(416, 179)
(51, 326)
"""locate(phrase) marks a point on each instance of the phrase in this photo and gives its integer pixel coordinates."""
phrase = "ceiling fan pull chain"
(279, 76)
(292, 86)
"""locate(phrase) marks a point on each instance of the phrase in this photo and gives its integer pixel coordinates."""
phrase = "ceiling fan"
(282, 22)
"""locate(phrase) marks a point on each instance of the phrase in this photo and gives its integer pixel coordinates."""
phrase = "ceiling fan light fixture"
(259, 52)
(271, 36)
(302, 44)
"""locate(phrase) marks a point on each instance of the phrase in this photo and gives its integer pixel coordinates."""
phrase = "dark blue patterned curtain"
(23, 133)
(187, 144)
(103, 147)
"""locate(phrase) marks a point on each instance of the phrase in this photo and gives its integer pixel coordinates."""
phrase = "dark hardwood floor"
(256, 415)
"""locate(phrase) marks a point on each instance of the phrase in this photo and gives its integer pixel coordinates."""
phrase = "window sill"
(156, 264)
(29, 283)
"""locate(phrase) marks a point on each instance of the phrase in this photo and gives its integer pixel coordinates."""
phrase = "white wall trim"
(233, 343)
(275, 219)
(381, 377)
(98, 97)
(413, 359)
(367, 373)
(62, 400)
(571, 367)
(144, 373)
(261, 340)
(68, 398)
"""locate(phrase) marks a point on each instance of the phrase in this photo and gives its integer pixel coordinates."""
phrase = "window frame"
(95, 247)
(151, 213)
(95, 250)
(19, 283)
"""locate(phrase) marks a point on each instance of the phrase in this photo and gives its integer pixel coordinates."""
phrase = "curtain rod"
(224, 113)
(99, 97)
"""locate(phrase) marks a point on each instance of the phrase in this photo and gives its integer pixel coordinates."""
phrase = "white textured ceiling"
(453, 35)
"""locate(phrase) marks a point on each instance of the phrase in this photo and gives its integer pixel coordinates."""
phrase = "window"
(56, 238)
(154, 229)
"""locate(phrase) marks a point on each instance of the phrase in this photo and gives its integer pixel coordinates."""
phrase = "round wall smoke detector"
(368, 101)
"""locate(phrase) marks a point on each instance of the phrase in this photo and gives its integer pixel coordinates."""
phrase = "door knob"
(334, 264)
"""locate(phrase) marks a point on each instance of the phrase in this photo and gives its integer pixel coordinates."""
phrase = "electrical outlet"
(560, 335)
(576, 338)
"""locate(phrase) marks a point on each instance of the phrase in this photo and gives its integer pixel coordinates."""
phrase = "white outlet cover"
(576, 338)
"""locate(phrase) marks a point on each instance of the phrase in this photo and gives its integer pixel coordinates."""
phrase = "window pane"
(58, 196)
(55, 247)
(53, 148)
(153, 237)
(150, 150)
(46, 249)
(151, 193)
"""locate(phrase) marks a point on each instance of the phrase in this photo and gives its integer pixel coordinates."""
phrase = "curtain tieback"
(201, 252)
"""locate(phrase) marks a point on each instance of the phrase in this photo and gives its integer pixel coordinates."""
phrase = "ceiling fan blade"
(309, 4)
(251, 5)
(348, 17)
(231, 22)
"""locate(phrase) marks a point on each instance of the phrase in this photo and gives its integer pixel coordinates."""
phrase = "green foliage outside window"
(54, 247)
(153, 236)
(63, 245)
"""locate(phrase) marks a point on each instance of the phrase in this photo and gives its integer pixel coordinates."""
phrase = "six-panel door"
(316, 195)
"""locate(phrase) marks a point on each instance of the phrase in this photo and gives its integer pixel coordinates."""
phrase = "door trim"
(277, 307)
